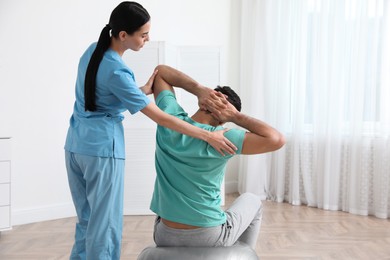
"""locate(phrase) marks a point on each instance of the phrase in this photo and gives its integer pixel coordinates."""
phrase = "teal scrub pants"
(96, 185)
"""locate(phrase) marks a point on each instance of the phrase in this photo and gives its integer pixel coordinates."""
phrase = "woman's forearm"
(216, 139)
(183, 127)
(174, 123)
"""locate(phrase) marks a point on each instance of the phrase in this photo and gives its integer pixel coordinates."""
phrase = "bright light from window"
(350, 9)
(313, 6)
(375, 8)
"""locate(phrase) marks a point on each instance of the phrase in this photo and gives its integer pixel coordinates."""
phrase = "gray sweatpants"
(243, 220)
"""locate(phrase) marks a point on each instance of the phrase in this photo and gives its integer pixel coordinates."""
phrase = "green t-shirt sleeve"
(167, 102)
(236, 136)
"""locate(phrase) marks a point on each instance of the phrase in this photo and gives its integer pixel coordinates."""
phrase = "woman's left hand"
(148, 88)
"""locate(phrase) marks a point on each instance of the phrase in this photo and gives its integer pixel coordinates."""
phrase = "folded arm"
(260, 138)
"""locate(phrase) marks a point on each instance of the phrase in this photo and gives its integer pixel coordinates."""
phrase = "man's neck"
(203, 117)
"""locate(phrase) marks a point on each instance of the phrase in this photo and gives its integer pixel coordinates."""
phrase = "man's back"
(189, 171)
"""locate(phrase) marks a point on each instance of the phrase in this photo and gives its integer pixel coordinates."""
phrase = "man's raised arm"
(261, 137)
(168, 77)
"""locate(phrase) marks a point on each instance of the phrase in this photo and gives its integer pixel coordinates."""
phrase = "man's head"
(231, 96)
(207, 117)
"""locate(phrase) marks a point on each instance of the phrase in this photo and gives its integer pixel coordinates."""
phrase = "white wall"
(41, 42)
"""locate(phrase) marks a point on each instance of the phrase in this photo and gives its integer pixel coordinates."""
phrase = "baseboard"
(231, 187)
(130, 210)
(51, 212)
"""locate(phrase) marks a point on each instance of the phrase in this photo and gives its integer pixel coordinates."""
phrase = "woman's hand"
(220, 143)
(148, 88)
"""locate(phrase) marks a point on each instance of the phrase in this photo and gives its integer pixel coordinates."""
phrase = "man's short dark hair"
(231, 96)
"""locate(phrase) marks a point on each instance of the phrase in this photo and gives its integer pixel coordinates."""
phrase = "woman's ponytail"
(90, 76)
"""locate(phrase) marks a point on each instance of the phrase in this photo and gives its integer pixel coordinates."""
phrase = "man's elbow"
(278, 140)
(255, 144)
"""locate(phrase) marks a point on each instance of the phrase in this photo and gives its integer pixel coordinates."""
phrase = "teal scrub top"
(100, 133)
(189, 171)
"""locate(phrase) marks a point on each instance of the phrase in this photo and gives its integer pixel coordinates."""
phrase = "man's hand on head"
(211, 99)
(225, 115)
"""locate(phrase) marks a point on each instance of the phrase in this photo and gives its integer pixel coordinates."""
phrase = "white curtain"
(318, 70)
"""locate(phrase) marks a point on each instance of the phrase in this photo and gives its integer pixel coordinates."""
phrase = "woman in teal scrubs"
(94, 149)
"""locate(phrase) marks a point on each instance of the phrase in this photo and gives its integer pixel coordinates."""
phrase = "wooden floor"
(287, 232)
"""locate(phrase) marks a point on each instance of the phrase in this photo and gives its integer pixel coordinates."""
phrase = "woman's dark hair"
(128, 17)
(231, 96)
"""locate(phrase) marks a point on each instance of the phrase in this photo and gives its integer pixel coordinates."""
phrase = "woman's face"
(137, 40)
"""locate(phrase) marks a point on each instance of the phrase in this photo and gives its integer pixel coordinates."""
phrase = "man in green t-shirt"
(187, 195)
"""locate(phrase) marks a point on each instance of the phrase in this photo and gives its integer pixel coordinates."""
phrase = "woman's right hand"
(220, 143)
